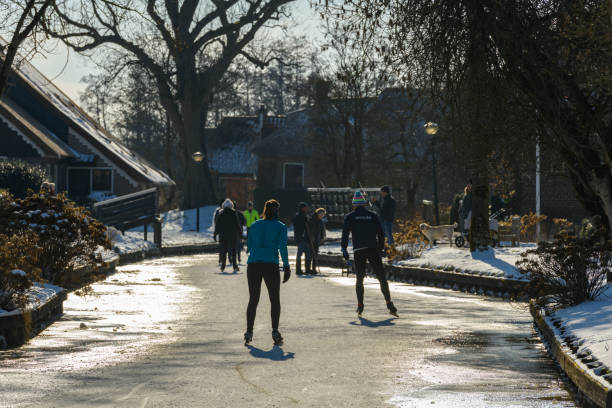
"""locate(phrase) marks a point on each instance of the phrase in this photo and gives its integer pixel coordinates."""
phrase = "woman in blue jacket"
(267, 237)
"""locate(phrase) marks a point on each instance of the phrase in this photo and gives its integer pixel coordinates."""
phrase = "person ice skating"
(368, 243)
(227, 228)
(266, 239)
(241, 225)
(316, 229)
(302, 239)
(251, 215)
(214, 223)
(387, 212)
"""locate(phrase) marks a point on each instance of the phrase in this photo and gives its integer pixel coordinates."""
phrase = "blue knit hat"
(359, 199)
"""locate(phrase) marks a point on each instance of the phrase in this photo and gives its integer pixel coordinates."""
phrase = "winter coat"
(241, 219)
(266, 239)
(316, 227)
(387, 209)
(299, 228)
(251, 217)
(227, 225)
(365, 228)
(466, 206)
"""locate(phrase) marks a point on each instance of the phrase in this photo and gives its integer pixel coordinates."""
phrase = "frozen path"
(168, 333)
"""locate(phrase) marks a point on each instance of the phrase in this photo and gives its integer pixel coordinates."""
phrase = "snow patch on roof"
(236, 159)
(80, 119)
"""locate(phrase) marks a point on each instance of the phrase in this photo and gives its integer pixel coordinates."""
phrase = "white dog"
(438, 232)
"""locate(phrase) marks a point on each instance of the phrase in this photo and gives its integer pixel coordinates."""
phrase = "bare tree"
(191, 31)
(30, 15)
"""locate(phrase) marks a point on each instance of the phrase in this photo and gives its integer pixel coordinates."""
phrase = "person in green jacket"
(267, 239)
(251, 215)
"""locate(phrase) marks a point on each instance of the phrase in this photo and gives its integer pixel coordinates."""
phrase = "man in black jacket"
(387, 212)
(368, 243)
(241, 225)
(316, 230)
(227, 228)
(302, 239)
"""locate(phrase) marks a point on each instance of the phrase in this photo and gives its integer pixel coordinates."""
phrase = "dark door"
(293, 176)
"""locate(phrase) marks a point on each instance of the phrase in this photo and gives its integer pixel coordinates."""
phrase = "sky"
(66, 68)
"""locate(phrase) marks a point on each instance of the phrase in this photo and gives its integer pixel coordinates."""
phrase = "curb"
(486, 285)
(597, 393)
(16, 329)
(132, 257)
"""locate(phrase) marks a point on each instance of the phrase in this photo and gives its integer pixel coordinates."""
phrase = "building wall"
(122, 184)
(239, 189)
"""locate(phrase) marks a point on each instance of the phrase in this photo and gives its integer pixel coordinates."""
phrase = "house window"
(102, 180)
(79, 182)
(82, 181)
(293, 176)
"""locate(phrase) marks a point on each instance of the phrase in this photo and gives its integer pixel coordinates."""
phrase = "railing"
(129, 211)
(336, 201)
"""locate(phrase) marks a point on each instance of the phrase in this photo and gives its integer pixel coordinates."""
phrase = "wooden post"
(146, 230)
(157, 231)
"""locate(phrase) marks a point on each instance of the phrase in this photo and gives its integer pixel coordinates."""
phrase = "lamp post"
(431, 129)
(197, 157)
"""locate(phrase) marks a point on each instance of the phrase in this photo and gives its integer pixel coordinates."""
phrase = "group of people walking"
(229, 225)
(267, 246)
(309, 234)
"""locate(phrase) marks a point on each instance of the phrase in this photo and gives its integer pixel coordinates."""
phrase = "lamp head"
(197, 157)
(431, 128)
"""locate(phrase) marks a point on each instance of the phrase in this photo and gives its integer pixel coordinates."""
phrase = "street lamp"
(431, 128)
(197, 157)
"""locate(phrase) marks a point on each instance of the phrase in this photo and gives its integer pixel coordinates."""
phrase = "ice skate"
(359, 310)
(248, 338)
(392, 309)
(277, 338)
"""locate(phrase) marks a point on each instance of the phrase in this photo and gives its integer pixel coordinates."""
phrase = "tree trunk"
(199, 187)
(477, 80)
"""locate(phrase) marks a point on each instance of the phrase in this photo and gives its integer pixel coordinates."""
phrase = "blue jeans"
(388, 231)
(302, 248)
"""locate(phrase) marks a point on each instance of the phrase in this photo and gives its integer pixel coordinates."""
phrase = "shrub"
(528, 226)
(68, 236)
(408, 241)
(568, 271)
(18, 176)
(19, 255)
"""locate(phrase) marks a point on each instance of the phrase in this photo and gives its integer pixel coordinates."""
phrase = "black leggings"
(227, 247)
(372, 255)
(270, 273)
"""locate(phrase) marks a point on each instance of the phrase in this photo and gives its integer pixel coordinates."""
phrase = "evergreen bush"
(569, 270)
(19, 176)
(19, 255)
(68, 236)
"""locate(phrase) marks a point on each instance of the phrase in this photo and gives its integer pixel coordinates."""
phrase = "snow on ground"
(37, 294)
(591, 322)
(497, 262)
(178, 228)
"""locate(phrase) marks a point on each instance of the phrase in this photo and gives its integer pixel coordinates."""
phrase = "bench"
(131, 210)
(511, 233)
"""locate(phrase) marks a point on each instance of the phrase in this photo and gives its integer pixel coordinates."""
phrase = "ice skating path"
(168, 333)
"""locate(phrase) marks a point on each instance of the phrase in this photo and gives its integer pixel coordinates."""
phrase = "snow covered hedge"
(568, 271)
(66, 235)
(19, 255)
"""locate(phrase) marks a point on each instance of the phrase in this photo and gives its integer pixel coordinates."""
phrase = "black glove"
(215, 238)
(345, 254)
(287, 275)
